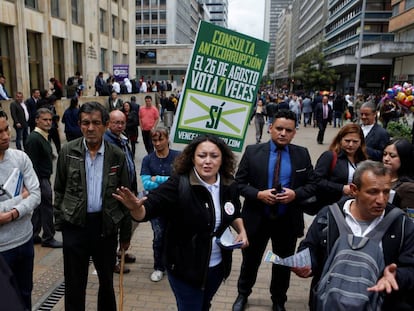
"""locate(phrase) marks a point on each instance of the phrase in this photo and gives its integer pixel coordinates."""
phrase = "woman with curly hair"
(199, 201)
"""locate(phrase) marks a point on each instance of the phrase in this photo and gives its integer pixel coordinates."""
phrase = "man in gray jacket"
(16, 206)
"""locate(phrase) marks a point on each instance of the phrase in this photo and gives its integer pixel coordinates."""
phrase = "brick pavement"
(142, 294)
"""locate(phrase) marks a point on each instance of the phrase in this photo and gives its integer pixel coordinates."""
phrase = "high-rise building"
(342, 33)
(311, 17)
(273, 9)
(218, 10)
(401, 50)
(168, 22)
(44, 39)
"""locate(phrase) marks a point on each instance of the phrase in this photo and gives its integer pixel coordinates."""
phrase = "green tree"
(313, 71)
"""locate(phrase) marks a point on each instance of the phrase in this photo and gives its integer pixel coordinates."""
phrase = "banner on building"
(221, 85)
(120, 72)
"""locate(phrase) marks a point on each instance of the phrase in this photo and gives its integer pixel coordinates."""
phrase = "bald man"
(114, 135)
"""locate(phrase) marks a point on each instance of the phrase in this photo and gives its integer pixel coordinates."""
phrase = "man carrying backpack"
(371, 233)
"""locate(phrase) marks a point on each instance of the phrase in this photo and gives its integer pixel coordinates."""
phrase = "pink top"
(148, 117)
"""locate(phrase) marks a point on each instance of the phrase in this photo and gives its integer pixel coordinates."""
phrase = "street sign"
(221, 86)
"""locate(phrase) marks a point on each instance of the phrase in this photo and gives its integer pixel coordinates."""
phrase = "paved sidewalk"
(142, 294)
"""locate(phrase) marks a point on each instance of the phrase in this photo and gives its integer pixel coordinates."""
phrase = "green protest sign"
(221, 84)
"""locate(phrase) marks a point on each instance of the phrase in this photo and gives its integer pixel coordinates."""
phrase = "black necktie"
(276, 171)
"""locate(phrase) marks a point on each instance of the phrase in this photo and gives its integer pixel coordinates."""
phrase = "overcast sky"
(246, 16)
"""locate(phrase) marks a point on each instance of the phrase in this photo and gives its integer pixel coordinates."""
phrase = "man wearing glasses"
(88, 171)
(273, 177)
(16, 207)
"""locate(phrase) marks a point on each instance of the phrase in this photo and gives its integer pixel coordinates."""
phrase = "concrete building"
(167, 62)
(283, 47)
(342, 35)
(168, 22)
(41, 39)
(273, 9)
(218, 10)
(401, 50)
(165, 32)
(311, 17)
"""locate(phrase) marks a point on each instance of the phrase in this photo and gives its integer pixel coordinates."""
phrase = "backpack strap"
(333, 162)
(339, 219)
(384, 224)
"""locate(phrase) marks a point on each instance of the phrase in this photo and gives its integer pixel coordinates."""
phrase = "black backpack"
(354, 264)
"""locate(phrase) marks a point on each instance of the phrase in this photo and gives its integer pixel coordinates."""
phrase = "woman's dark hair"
(74, 102)
(351, 128)
(405, 153)
(184, 162)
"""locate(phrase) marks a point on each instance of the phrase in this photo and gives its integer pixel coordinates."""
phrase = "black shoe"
(129, 258)
(279, 307)
(37, 239)
(117, 269)
(240, 303)
(52, 244)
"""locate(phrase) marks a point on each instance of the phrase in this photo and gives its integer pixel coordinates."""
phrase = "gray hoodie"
(19, 231)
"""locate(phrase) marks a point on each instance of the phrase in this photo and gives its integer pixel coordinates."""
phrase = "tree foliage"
(313, 71)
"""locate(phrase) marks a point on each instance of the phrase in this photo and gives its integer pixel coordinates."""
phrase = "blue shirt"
(94, 173)
(285, 170)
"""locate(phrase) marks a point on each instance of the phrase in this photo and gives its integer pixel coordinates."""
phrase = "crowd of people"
(192, 197)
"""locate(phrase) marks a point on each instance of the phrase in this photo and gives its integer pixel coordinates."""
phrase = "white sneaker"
(157, 276)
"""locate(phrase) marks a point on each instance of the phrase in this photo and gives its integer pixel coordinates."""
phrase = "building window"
(147, 57)
(103, 59)
(114, 26)
(102, 21)
(77, 57)
(7, 61)
(31, 4)
(34, 52)
(76, 10)
(55, 8)
(409, 4)
(124, 31)
(124, 58)
(114, 57)
(395, 9)
(58, 59)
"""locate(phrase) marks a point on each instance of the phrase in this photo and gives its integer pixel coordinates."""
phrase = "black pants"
(42, 217)
(54, 136)
(79, 244)
(146, 137)
(283, 244)
(322, 127)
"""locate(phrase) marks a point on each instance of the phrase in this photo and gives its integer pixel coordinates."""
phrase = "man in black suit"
(376, 137)
(271, 213)
(20, 116)
(323, 114)
(31, 104)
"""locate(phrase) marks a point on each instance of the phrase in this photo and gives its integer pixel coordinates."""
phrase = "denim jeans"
(158, 226)
(20, 261)
(190, 298)
(21, 137)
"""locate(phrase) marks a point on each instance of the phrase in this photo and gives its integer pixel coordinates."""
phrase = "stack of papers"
(14, 184)
(227, 240)
(301, 259)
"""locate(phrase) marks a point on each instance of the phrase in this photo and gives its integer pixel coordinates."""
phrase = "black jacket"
(397, 243)
(189, 211)
(252, 177)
